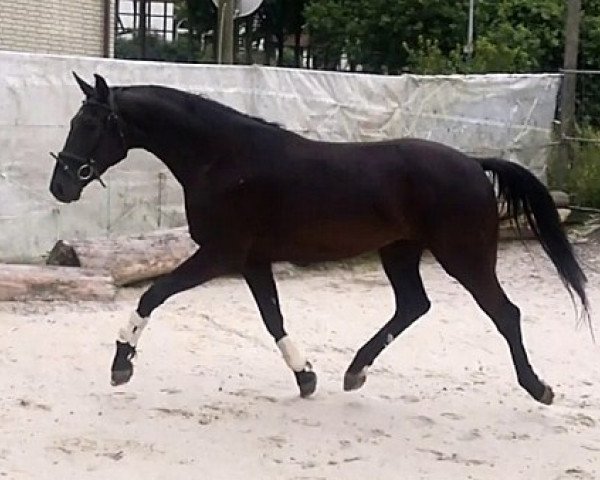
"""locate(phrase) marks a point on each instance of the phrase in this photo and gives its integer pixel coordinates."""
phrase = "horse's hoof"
(119, 377)
(122, 368)
(353, 381)
(547, 397)
(307, 382)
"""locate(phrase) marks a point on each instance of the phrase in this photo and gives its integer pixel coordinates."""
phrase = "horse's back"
(408, 176)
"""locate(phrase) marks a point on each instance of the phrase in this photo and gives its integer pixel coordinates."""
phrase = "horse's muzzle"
(64, 192)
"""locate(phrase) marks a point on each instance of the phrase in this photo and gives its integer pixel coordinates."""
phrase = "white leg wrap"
(291, 355)
(131, 332)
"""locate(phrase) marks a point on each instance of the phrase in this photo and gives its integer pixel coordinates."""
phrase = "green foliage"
(530, 32)
(588, 107)
(158, 50)
(427, 58)
(428, 36)
(379, 34)
(584, 177)
(327, 21)
(268, 26)
(201, 14)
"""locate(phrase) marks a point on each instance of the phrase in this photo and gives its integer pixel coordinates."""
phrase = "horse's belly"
(327, 241)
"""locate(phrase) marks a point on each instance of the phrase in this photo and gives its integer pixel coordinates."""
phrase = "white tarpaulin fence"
(500, 115)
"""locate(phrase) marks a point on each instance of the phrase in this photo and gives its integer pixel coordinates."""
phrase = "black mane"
(187, 98)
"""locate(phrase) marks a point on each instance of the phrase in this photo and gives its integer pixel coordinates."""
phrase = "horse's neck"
(158, 127)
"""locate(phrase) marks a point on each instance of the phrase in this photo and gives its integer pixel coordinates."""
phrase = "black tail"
(523, 192)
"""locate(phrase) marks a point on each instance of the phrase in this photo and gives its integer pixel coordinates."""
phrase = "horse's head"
(94, 143)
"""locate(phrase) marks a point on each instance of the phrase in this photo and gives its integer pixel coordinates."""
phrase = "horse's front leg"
(261, 283)
(207, 263)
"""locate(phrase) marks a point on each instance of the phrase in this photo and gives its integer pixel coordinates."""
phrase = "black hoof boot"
(122, 368)
(353, 381)
(547, 396)
(307, 381)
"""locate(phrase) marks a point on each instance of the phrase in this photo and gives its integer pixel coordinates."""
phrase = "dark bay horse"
(257, 194)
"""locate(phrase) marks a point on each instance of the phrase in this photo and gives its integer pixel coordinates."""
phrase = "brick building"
(66, 27)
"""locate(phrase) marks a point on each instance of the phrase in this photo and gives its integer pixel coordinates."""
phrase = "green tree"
(379, 35)
(279, 20)
(519, 35)
(423, 35)
(270, 26)
(588, 91)
(327, 21)
(201, 21)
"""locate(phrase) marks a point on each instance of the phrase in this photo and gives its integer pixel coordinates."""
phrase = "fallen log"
(561, 202)
(40, 282)
(561, 199)
(508, 230)
(128, 259)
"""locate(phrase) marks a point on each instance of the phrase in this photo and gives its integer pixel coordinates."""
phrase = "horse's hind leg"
(474, 268)
(401, 264)
(260, 280)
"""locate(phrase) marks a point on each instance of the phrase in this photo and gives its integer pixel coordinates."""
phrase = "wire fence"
(587, 106)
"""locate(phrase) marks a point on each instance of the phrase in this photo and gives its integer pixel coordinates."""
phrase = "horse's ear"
(102, 90)
(86, 88)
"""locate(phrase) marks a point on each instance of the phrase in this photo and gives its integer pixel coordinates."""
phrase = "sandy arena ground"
(212, 399)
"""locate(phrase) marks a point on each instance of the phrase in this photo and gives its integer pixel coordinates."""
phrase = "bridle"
(81, 168)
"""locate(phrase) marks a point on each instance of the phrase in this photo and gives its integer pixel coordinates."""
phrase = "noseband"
(85, 167)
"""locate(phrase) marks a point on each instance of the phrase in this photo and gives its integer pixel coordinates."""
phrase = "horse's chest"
(216, 214)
